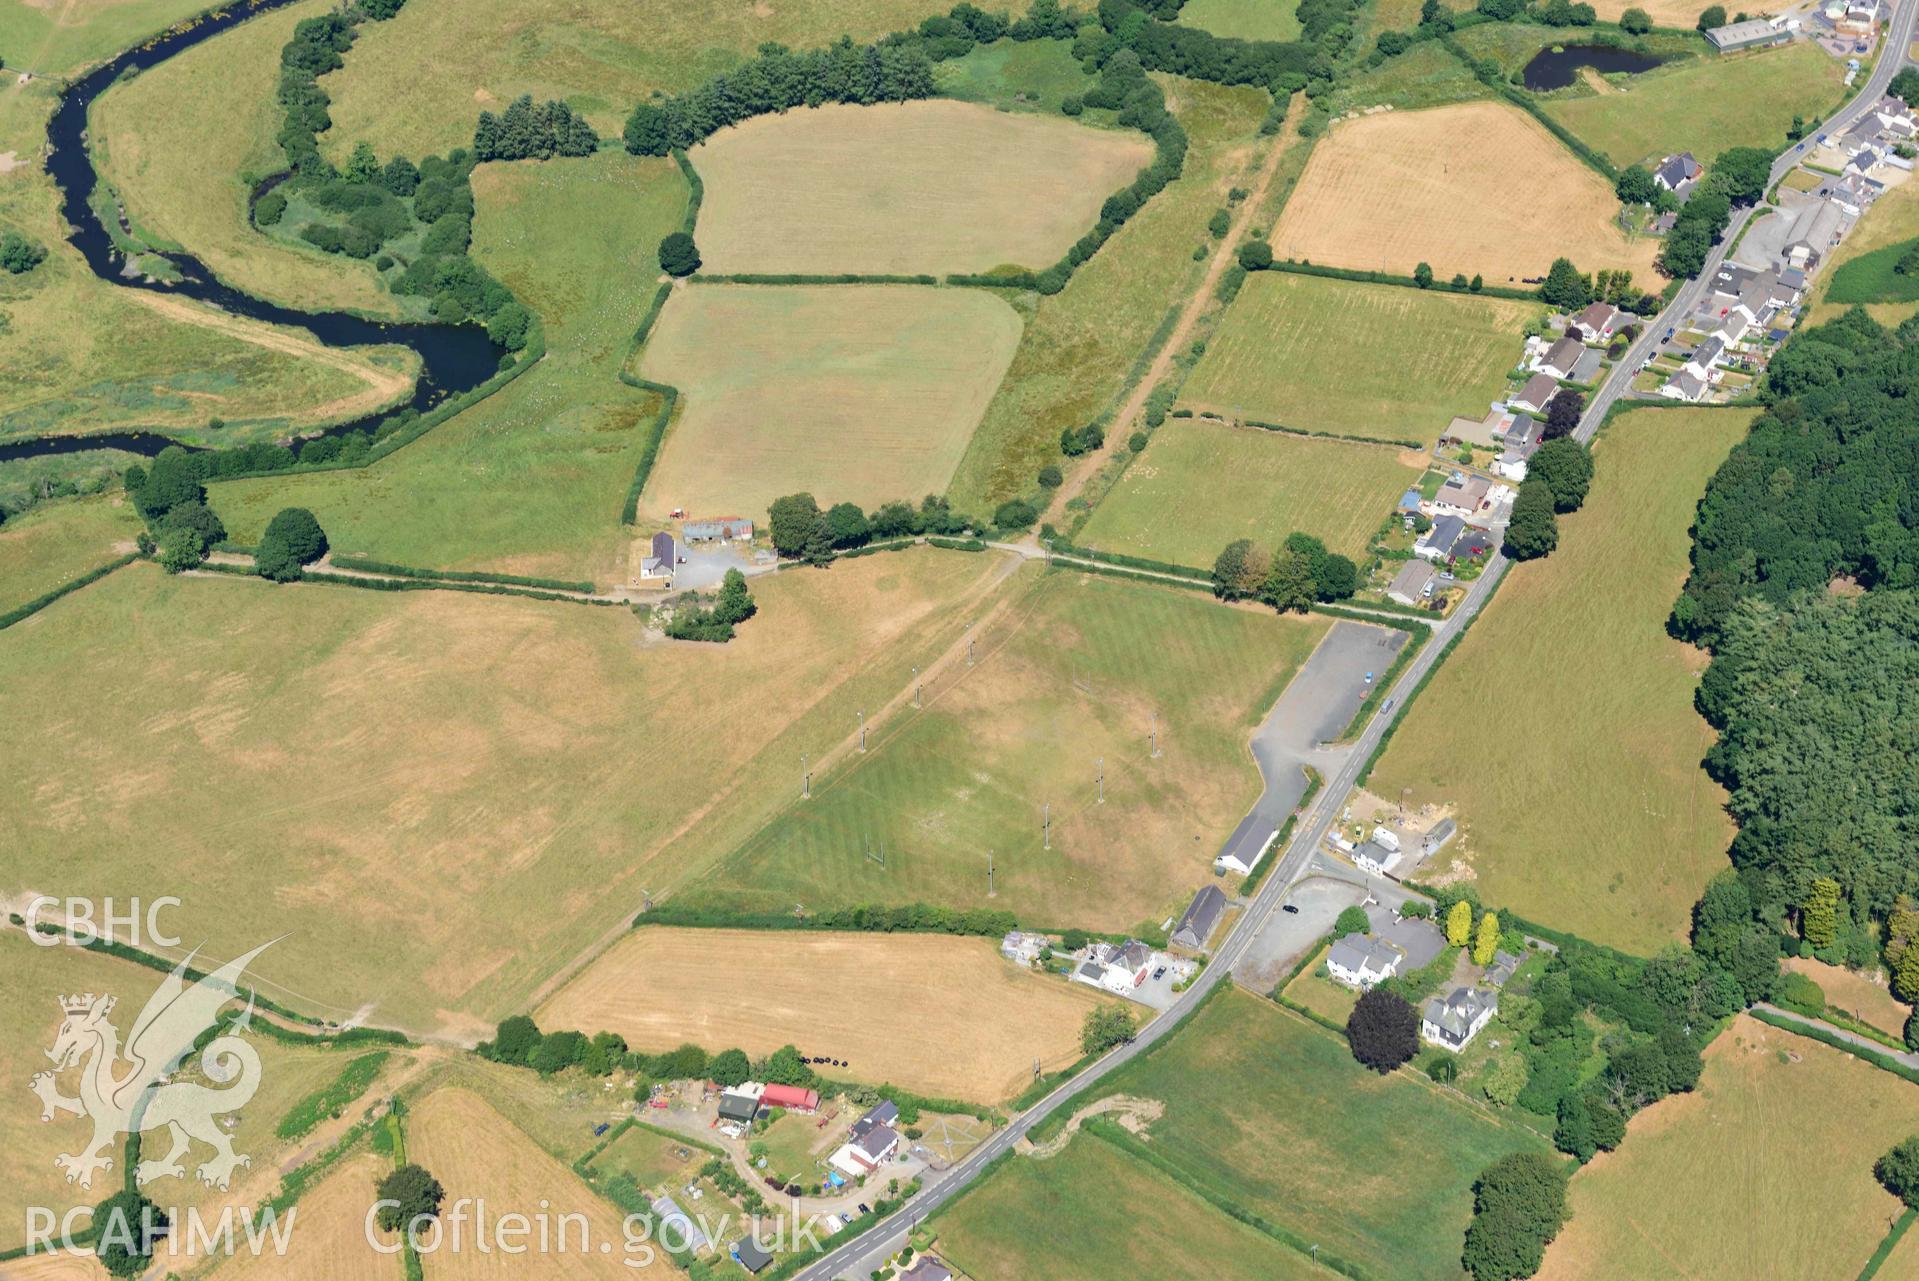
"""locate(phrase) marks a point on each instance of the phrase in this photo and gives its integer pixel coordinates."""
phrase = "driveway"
(703, 565)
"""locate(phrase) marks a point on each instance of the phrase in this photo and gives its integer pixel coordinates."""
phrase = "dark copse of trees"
(1519, 1205)
(528, 132)
(1189, 51)
(1301, 572)
(1905, 85)
(293, 539)
(1382, 1030)
(679, 256)
(1105, 1027)
(1534, 530)
(127, 1226)
(415, 1195)
(1565, 467)
(1898, 1171)
(1074, 441)
(734, 605)
(314, 50)
(18, 255)
(801, 531)
(1737, 177)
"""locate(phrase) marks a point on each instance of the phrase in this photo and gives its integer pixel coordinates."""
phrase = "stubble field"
(1717, 1185)
(902, 188)
(852, 393)
(506, 751)
(1071, 675)
(1201, 484)
(1593, 813)
(329, 1237)
(1390, 191)
(981, 1020)
(1357, 359)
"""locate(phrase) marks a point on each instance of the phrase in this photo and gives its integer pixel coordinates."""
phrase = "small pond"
(1559, 68)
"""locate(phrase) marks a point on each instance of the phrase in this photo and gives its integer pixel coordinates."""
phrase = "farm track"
(1134, 405)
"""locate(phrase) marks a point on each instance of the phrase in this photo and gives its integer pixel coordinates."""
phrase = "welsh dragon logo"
(126, 1089)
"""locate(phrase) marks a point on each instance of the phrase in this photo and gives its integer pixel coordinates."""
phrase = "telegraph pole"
(1046, 825)
(1154, 737)
(969, 649)
(862, 717)
(916, 685)
(806, 779)
(1102, 780)
(991, 892)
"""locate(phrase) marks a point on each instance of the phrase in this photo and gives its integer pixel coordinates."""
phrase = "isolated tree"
(1486, 942)
(1635, 22)
(1477, 283)
(127, 1227)
(1352, 920)
(1635, 186)
(415, 1194)
(1898, 1171)
(1382, 1030)
(18, 255)
(1050, 477)
(792, 522)
(362, 166)
(1459, 924)
(729, 1068)
(1534, 530)
(1565, 288)
(293, 539)
(735, 604)
(1220, 223)
(679, 256)
(1819, 914)
(1014, 515)
(1289, 583)
(1563, 412)
(1712, 16)
(1256, 255)
(1423, 275)
(1105, 1027)
(1566, 467)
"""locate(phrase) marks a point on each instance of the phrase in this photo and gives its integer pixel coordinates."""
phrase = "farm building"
(1360, 962)
(792, 1097)
(1753, 33)
(1453, 1021)
(1413, 583)
(717, 529)
(1200, 920)
(751, 1255)
(1249, 842)
(661, 559)
(1435, 840)
(741, 1103)
(1814, 231)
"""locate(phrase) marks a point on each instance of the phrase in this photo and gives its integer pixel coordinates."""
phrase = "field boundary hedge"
(367, 565)
(1826, 1036)
(1302, 267)
(1899, 1228)
(138, 956)
(912, 918)
(1309, 433)
(1116, 571)
(20, 613)
(1065, 547)
(803, 278)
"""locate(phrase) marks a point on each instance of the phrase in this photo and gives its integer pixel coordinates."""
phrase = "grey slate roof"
(1201, 918)
(752, 1256)
(1454, 1014)
(1411, 580)
(1357, 952)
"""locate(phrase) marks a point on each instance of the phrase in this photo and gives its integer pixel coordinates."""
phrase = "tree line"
(528, 132)
(181, 528)
(800, 530)
(1291, 578)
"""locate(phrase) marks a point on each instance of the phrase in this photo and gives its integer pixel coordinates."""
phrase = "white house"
(1600, 321)
(1560, 359)
(1684, 386)
(871, 1143)
(1436, 544)
(661, 558)
(1704, 357)
(1510, 465)
(1360, 962)
(1116, 967)
(1374, 857)
(1453, 1021)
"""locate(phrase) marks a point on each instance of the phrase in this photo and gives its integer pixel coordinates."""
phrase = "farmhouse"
(1677, 173)
(1413, 583)
(792, 1097)
(1453, 1021)
(1533, 397)
(870, 1144)
(1750, 34)
(1201, 918)
(661, 559)
(1116, 967)
(717, 529)
(1360, 962)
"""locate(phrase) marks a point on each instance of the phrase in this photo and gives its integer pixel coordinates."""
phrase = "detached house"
(1535, 395)
(1200, 920)
(1678, 173)
(1600, 321)
(1684, 386)
(1704, 357)
(1561, 359)
(1360, 962)
(1454, 1020)
(871, 1143)
(1413, 584)
(660, 559)
(1116, 967)
(1462, 496)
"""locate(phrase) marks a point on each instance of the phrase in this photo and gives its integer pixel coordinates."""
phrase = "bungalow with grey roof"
(1524, 432)
(1413, 584)
(1436, 544)
(1533, 397)
(1561, 358)
(1684, 386)
(1677, 173)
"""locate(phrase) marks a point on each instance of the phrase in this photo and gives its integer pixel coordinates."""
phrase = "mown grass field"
(1390, 191)
(1244, 19)
(1201, 484)
(470, 1147)
(506, 750)
(329, 1236)
(417, 83)
(1426, 75)
(854, 393)
(649, 1156)
(52, 40)
(530, 480)
(1016, 75)
(1093, 1212)
(1357, 359)
(1592, 814)
(1378, 1170)
(1715, 1185)
(1855, 994)
(907, 187)
(53, 545)
(1705, 105)
(183, 143)
(1078, 346)
(1861, 269)
(836, 995)
(1071, 673)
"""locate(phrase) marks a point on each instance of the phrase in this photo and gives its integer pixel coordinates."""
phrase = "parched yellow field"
(1855, 994)
(1722, 1185)
(1477, 187)
(935, 1014)
(51, 546)
(906, 187)
(855, 393)
(1591, 812)
(56, 37)
(475, 1152)
(508, 752)
(329, 1235)
(54, 1267)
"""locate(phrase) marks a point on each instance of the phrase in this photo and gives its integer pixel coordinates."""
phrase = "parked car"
(1289, 907)
(1160, 973)
(865, 1208)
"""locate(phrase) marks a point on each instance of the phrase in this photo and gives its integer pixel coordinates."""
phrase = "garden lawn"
(1244, 19)
(1071, 673)
(1094, 1212)
(1201, 484)
(905, 187)
(52, 545)
(1078, 346)
(1705, 105)
(1377, 1170)
(503, 751)
(1591, 813)
(853, 393)
(530, 480)
(649, 1157)
(1320, 994)
(1722, 1184)
(1354, 359)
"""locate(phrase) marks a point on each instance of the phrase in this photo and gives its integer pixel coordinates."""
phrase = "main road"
(859, 1257)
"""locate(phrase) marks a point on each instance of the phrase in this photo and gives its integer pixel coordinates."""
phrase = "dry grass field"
(1067, 683)
(909, 187)
(505, 750)
(54, 1267)
(1357, 359)
(1764, 1173)
(417, 83)
(53, 545)
(1200, 485)
(183, 143)
(475, 1152)
(1855, 994)
(853, 393)
(982, 1021)
(328, 1241)
(1390, 191)
(1589, 810)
